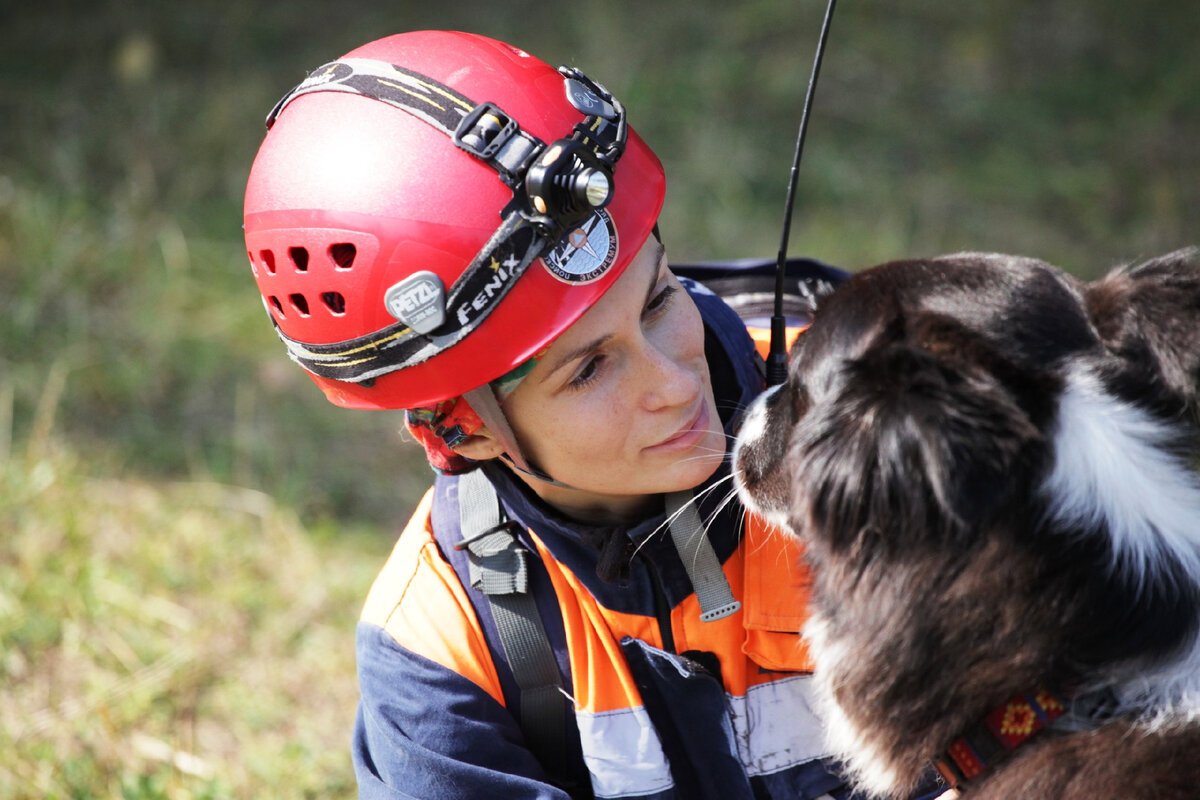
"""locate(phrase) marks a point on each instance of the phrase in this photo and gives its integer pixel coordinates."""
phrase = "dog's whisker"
(664, 525)
(707, 522)
(695, 500)
(712, 454)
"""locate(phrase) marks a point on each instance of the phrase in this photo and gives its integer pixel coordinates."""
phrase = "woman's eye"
(661, 300)
(587, 373)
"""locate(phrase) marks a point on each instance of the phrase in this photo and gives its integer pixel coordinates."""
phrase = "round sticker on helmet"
(585, 253)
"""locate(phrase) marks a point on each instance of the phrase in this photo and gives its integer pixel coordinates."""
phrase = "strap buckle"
(484, 130)
(475, 542)
(497, 560)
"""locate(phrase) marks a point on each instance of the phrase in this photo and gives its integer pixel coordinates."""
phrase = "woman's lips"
(688, 435)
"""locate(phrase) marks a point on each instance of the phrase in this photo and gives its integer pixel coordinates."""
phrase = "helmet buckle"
(484, 130)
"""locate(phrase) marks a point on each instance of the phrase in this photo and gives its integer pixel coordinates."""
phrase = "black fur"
(914, 448)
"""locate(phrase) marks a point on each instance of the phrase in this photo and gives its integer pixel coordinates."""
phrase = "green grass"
(171, 639)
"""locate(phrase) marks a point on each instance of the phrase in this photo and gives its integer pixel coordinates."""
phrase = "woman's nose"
(668, 381)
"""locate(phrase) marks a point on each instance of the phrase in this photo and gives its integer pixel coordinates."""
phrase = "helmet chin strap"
(483, 401)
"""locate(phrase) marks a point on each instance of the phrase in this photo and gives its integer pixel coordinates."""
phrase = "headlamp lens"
(597, 188)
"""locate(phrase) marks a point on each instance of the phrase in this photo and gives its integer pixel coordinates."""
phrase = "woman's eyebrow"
(582, 350)
(596, 344)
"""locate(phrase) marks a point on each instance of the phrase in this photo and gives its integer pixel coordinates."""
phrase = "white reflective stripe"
(622, 753)
(776, 726)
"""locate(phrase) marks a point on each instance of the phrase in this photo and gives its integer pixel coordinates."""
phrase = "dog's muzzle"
(758, 454)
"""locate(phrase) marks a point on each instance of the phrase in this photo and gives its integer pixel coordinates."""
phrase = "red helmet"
(432, 209)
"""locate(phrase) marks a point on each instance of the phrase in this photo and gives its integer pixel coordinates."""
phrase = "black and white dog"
(993, 468)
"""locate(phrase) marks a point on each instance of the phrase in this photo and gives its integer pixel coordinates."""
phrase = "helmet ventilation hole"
(268, 260)
(300, 303)
(299, 257)
(334, 302)
(278, 306)
(343, 254)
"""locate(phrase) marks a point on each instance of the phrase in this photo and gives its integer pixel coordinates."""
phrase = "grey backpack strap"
(499, 570)
(699, 558)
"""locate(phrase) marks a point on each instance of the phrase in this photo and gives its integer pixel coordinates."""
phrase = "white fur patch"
(754, 424)
(1112, 466)
(754, 428)
(867, 766)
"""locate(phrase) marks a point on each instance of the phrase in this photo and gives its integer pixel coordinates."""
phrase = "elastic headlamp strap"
(431, 319)
(491, 275)
(424, 98)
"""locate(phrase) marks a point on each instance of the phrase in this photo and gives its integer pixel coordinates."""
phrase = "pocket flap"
(776, 601)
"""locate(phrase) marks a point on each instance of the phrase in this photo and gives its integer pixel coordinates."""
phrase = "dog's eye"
(799, 398)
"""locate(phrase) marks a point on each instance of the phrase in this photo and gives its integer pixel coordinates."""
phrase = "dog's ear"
(932, 431)
(1149, 316)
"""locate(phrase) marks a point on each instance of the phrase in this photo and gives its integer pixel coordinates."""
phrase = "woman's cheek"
(599, 424)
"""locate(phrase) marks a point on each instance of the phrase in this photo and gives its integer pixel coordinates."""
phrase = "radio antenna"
(777, 355)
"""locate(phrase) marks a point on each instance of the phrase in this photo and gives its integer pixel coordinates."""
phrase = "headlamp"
(567, 182)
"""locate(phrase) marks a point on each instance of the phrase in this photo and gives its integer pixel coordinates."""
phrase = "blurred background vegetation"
(187, 529)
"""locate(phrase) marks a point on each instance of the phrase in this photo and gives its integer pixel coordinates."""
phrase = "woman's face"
(621, 405)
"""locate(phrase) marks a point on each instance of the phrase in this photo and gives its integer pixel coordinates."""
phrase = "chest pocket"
(776, 599)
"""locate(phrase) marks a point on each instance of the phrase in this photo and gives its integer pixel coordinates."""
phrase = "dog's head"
(987, 461)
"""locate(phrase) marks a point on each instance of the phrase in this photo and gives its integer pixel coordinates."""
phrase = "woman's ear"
(481, 446)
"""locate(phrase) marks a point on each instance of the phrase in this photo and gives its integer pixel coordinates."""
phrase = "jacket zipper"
(662, 609)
